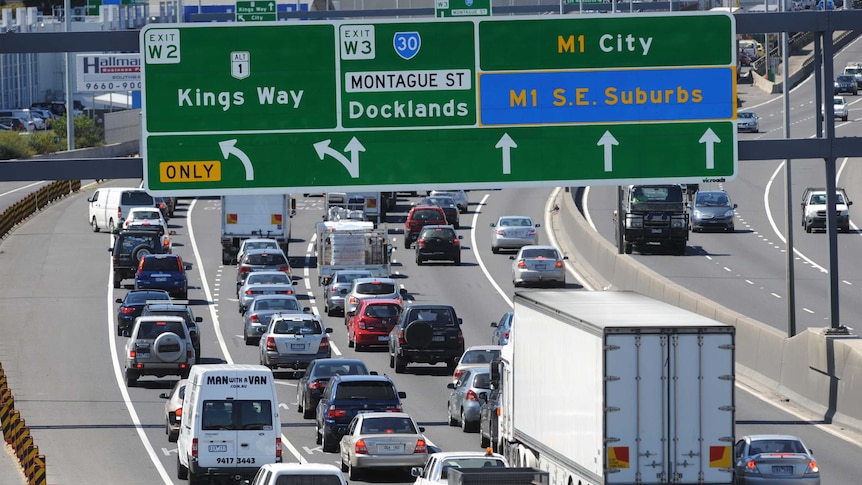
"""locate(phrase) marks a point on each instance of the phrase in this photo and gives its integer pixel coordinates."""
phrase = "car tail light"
(471, 396)
(420, 447)
(559, 264)
(522, 264)
(324, 344)
(132, 354)
(178, 413)
(284, 292)
(333, 289)
(195, 447)
(244, 269)
(119, 213)
(361, 324)
(333, 412)
(751, 467)
(532, 232)
(360, 448)
(285, 269)
(460, 337)
(457, 373)
(278, 448)
(401, 337)
(250, 292)
(254, 318)
(505, 334)
(393, 409)
(270, 344)
(140, 265)
(421, 240)
(498, 411)
(126, 310)
(456, 242)
(812, 468)
(166, 243)
(500, 232)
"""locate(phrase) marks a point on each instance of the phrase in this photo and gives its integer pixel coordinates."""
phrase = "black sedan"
(317, 374)
(132, 305)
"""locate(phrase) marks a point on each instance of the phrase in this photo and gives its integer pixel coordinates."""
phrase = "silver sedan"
(772, 459)
(382, 441)
(264, 283)
(337, 289)
(464, 403)
(513, 232)
(261, 311)
(535, 265)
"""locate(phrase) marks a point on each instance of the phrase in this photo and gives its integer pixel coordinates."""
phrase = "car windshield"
(236, 414)
(161, 264)
(711, 200)
(439, 233)
(264, 279)
(441, 201)
(483, 462)
(260, 245)
(348, 277)
(846, 79)
(382, 311)
(265, 259)
(436, 316)
(480, 356)
(296, 327)
(371, 391)
(375, 288)
(776, 446)
(152, 329)
(744, 114)
(839, 100)
(539, 253)
(136, 198)
(145, 215)
(278, 304)
(387, 425)
(329, 370)
(515, 222)
(143, 296)
(422, 215)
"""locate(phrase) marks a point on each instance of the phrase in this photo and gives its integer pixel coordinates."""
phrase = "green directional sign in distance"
(408, 74)
(239, 79)
(494, 157)
(612, 41)
(462, 8)
(256, 11)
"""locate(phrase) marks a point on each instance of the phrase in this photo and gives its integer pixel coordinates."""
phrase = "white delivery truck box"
(230, 422)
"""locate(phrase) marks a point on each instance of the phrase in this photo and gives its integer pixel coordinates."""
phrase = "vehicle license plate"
(541, 266)
(390, 448)
(782, 470)
(217, 448)
(143, 355)
(383, 338)
(656, 231)
(160, 278)
(297, 346)
(438, 338)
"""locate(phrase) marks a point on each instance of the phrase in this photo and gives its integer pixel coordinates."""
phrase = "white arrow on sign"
(608, 141)
(506, 143)
(353, 147)
(228, 148)
(710, 138)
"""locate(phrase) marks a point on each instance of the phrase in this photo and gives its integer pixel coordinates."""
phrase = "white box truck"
(230, 425)
(602, 388)
(248, 216)
(348, 245)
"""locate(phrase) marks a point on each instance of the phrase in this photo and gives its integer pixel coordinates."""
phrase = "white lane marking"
(808, 310)
(587, 214)
(776, 295)
(23, 187)
(121, 382)
(217, 325)
(475, 248)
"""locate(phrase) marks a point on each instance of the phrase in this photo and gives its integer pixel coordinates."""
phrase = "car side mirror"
(451, 385)
(328, 330)
(118, 300)
(538, 225)
(460, 321)
(492, 224)
(164, 395)
(494, 324)
(374, 373)
(849, 202)
(565, 257)
(402, 292)
(188, 267)
(306, 309)
(460, 236)
(110, 250)
(172, 232)
(199, 319)
(735, 206)
(402, 394)
(512, 258)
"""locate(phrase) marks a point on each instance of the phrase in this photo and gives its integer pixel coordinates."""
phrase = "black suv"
(438, 242)
(129, 248)
(427, 334)
(344, 397)
(179, 308)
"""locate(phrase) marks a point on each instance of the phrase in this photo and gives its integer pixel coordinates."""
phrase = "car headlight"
(697, 214)
(729, 213)
(843, 213)
(634, 222)
(677, 223)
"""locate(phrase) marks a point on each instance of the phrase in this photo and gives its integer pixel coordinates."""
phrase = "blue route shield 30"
(407, 44)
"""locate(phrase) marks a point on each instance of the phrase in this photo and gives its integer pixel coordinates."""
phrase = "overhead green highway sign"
(256, 11)
(462, 8)
(481, 102)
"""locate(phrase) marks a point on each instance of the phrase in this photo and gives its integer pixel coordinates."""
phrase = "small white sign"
(162, 46)
(108, 72)
(240, 64)
(357, 42)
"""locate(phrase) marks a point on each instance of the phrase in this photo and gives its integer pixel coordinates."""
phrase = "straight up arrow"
(506, 143)
(608, 141)
(710, 138)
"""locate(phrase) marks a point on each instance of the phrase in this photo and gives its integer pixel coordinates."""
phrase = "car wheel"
(344, 466)
(843, 118)
(349, 341)
(329, 445)
(131, 378)
(391, 361)
(245, 337)
(182, 472)
(495, 250)
(95, 226)
(465, 426)
(111, 226)
(328, 311)
(452, 420)
(400, 365)
(418, 260)
(352, 472)
(451, 365)
(307, 410)
(458, 261)
(808, 229)
(117, 279)
(172, 436)
(119, 332)
(628, 247)
(299, 401)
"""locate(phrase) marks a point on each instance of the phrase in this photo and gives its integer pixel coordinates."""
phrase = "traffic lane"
(60, 363)
(12, 192)
(301, 433)
(836, 457)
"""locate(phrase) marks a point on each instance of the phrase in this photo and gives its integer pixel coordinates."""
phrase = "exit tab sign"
(462, 8)
(256, 11)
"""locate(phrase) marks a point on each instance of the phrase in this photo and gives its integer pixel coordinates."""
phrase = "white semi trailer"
(603, 388)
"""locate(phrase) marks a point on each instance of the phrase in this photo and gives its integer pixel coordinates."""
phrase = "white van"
(304, 473)
(230, 422)
(109, 206)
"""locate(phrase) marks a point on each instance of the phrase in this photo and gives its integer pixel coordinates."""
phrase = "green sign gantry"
(462, 8)
(474, 102)
(256, 11)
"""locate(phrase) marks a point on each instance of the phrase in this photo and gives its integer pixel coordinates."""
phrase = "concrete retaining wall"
(820, 372)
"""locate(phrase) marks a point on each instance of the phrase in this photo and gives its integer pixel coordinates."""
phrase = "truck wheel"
(225, 258)
(419, 260)
(680, 250)
(329, 445)
(452, 420)
(117, 279)
(182, 472)
(466, 427)
(627, 247)
(400, 365)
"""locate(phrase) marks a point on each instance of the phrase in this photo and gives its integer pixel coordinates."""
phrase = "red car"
(371, 323)
(419, 217)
